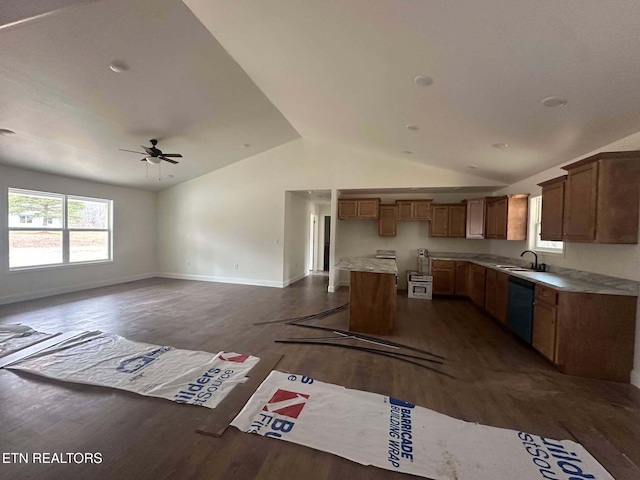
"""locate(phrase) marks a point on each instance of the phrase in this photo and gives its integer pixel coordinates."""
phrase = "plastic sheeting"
(377, 430)
(105, 359)
(17, 337)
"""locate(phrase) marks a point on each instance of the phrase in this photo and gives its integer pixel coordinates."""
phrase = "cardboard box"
(424, 265)
(421, 290)
(413, 276)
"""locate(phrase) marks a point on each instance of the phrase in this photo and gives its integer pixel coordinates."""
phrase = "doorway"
(326, 242)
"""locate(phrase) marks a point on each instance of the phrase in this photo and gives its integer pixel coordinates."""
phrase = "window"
(535, 243)
(54, 229)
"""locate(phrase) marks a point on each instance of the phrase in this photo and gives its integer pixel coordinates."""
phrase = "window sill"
(56, 266)
(555, 253)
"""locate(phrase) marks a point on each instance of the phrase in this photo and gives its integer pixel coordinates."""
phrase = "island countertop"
(366, 264)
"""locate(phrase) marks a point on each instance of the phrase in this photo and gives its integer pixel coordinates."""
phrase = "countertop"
(553, 280)
(367, 264)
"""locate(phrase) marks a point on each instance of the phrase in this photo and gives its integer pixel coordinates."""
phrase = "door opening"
(327, 242)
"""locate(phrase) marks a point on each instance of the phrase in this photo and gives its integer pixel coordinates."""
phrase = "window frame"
(64, 229)
(535, 220)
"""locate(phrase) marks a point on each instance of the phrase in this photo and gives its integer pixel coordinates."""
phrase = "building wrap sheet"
(377, 430)
(105, 359)
(17, 337)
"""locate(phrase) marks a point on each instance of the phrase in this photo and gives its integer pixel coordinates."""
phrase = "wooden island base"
(372, 302)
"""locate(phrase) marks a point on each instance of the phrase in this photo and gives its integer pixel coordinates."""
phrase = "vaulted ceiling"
(341, 71)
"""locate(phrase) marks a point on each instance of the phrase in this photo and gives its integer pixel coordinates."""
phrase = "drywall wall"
(359, 238)
(614, 260)
(134, 239)
(235, 215)
(297, 221)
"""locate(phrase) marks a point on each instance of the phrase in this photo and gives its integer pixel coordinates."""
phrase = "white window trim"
(65, 229)
(534, 215)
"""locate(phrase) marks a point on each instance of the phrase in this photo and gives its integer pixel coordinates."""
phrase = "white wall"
(615, 260)
(236, 214)
(297, 217)
(134, 239)
(359, 238)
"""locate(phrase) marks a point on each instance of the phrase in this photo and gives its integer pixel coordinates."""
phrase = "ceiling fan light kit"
(154, 155)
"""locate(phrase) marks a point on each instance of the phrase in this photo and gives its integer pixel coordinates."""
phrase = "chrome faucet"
(533, 265)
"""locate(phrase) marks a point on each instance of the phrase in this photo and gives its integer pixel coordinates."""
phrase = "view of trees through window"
(48, 229)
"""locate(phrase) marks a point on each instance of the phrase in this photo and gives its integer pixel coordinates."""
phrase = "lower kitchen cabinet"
(585, 334)
(450, 277)
(502, 297)
(544, 329)
(477, 284)
(490, 291)
(462, 278)
(444, 277)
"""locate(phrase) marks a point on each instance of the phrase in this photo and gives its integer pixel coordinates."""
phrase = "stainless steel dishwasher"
(521, 297)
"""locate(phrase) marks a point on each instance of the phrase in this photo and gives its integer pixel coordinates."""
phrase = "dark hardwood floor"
(499, 381)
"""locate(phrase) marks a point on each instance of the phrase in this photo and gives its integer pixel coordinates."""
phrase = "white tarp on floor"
(377, 430)
(17, 337)
(105, 359)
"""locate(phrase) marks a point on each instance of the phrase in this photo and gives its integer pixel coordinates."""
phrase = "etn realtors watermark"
(49, 457)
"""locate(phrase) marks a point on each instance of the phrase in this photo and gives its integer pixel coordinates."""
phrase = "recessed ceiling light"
(310, 192)
(246, 145)
(408, 152)
(118, 66)
(473, 167)
(456, 188)
(6, 132)
(554, 101)
(169, 176)
(412, 127)
(500, 145)
(423, 80)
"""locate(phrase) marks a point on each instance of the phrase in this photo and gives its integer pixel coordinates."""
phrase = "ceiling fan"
(154, 155)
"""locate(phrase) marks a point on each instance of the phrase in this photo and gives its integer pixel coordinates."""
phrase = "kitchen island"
(372, 294)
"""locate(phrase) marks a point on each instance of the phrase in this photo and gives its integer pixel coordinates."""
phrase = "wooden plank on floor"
(220, 418)
(37, 347)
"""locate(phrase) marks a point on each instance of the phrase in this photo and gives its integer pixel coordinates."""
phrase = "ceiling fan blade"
(176, 155)
(149, 150)
(167, 159)
(123, 150)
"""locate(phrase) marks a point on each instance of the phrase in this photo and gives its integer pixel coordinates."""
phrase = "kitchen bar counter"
(553, 280)
(372, 294)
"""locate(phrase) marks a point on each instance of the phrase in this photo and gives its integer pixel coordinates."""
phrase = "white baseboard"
(235, 280)
(635, 378)
(341, 283)
(21, 297)
(295, 279)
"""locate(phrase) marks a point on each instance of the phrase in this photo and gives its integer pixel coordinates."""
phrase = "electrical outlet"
(188, 263)
(277, 241)
(236, 266)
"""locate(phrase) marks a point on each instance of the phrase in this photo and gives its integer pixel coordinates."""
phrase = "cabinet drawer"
(442, 263)
(546, 295)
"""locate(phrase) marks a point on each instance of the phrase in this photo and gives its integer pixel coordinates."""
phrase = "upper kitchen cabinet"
(448, 220)
(601, 199)
(414, 209)
(387, 220)
(476, 208)
(551, 223)
(506, 217)
(358, 208)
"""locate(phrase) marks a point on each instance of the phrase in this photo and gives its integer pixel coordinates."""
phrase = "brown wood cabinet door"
(501, 210)
(387, 220)
(405, 210)
(581, 203)
(544, 329)
(439, 225)
(491, 286)
(502, 297)
(368, 208)
(443, 279)
(475, 217)
(476, 284)
(347, 209)
(457, 221)
(491, 230)
(422, 210)
(462, 278)
(552, 211)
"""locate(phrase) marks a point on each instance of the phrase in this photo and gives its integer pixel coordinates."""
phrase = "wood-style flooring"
(499, 382)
